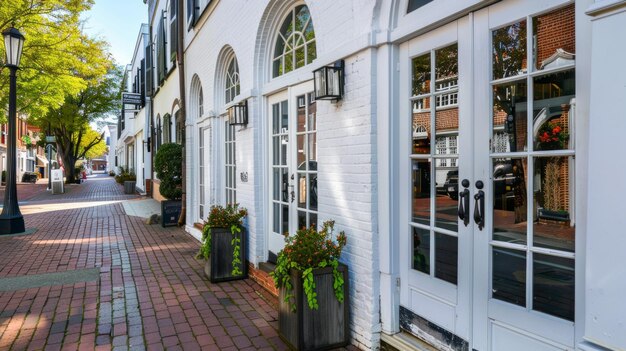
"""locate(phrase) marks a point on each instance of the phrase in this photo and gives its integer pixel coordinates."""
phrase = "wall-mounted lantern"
(238, 113)
(329, 81)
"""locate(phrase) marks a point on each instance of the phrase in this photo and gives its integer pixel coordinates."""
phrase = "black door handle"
(479, 206)
(464, 198)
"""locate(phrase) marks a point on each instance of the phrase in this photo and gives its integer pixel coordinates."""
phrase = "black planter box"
(322, 329)
(170, 212)
(129, 186)
(219, 267)
(553, 215)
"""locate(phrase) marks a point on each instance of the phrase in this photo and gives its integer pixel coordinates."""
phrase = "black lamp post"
(11, 219)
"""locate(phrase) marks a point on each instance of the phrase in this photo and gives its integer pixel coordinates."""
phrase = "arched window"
(196, 100)
(295, 44)
(232, 80)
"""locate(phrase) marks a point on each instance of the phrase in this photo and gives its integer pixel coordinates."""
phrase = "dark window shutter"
(149, 71)
(142, 78)
(137, 80)
(163, 46)
(160, 52)
(173, 28)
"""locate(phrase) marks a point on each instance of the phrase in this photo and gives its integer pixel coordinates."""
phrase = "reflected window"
(533, 189)
(434, 171)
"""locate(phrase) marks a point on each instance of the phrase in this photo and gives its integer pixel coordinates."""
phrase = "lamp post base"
(11, 225)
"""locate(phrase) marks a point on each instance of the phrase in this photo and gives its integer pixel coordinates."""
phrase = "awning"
(43, 160)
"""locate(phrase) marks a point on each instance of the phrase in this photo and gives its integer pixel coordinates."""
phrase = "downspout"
(152, 129)
(180, 51)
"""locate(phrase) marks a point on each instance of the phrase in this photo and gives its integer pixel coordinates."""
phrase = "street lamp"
(11, 219)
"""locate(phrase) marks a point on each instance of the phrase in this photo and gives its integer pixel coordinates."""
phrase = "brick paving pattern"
(151, 293)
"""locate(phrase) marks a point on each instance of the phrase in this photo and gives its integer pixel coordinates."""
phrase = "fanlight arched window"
(295, 44)
(232, 80)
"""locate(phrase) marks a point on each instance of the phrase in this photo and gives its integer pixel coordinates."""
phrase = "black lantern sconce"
(329, 81)
(238, 113)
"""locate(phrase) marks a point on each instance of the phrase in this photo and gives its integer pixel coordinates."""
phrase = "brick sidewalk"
(146, 292)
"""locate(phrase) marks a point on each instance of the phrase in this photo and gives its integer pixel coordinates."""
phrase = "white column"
(605, 244)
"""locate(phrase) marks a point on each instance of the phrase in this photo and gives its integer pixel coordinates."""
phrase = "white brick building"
(509, 109)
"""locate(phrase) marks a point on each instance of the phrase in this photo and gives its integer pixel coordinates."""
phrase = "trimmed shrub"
(168, 163)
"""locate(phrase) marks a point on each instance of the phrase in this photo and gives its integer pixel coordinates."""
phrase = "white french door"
(204, 159)
(490, 103)
(524, 277)
(293, 164)
(437, 148)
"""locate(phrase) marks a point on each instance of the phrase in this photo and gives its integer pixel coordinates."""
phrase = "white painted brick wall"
(346, 135)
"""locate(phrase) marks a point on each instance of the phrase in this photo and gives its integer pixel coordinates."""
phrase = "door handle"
(464, 199)
(479, 205)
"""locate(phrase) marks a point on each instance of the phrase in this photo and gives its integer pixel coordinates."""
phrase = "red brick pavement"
(25, 191)
(151, 293)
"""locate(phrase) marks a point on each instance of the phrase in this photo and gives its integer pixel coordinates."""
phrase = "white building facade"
(110, 137)
(442, 98)
(133, 145)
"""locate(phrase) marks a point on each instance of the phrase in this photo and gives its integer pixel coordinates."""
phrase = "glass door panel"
(293, 165)
(434, 171)
(529, 174)
(436, 157)
(281, 189)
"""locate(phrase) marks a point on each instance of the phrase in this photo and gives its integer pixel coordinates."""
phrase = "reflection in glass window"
(435, 183)
(509, 50)
(537, 186)
(295, 45)
(421, 250)
(554, 47)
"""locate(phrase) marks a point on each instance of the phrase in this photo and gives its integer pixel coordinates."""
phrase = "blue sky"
(118, 22)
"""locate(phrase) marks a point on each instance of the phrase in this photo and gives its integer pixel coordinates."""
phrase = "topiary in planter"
(168, 165)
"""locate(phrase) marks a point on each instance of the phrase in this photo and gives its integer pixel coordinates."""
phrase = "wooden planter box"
(129, 187)
(322, 329)
(219, 267)
(170, 212)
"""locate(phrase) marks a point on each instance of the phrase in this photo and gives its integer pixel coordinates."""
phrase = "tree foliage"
(71, 122)
(58, 59)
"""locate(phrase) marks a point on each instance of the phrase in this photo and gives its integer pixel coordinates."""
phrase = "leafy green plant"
(125, 175)
(168, 163)
(230, 217)
(306, 251)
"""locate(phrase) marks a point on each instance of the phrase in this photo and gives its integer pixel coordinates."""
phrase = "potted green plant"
(224, 244)
(168, 164)
(313, 289)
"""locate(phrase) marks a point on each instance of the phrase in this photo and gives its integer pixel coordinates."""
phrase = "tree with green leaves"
(71, 122)
(58, 59)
